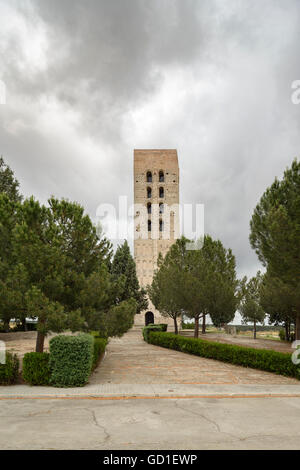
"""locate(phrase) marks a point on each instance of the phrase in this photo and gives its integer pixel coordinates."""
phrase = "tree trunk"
(6, 326)
(204, 324)
(254, 329)
(40, 342)
(287, 336)
(297, 327)
(175, 326)
(24, 324)
(196, 331)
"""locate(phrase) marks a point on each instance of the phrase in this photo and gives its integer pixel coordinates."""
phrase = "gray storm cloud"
(87, 82)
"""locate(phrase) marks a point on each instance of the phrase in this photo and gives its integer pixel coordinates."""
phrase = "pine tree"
(275, 232)
(124, 265)
(8, 183)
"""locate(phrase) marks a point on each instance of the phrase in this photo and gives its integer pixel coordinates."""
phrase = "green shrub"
(10, 370)
(152, 327)
(263, 359)
(282, 335)
(188, 325)
(164, 326)
(99, 348)
(71, 360)
(283, 338)
(36, 369)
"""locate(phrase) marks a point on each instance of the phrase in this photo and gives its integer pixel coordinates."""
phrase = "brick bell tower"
(156, 213)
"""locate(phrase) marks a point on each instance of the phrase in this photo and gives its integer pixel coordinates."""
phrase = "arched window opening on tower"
(149, 177)
(149, 208)
(149, 193)
(149, 225)
(161, 192)
(161, 208)
(161, 177)
(161, 226)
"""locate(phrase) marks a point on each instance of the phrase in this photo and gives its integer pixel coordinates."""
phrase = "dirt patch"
(23, 342)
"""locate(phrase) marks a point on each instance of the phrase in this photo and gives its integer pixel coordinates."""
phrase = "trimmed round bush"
(36, 368)
(71, 360)
(9, 371)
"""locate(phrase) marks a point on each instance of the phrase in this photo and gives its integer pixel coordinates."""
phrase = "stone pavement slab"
(207, 423)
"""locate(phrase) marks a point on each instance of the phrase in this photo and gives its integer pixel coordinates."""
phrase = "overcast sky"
(89, 81)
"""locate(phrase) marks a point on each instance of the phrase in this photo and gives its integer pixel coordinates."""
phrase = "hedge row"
(153, 327)
(263, 359)
(10, 370)
(36, 368)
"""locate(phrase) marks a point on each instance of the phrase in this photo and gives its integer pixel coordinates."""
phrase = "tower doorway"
(149, 318)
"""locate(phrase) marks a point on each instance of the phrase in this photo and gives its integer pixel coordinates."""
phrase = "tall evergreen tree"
(275, 232)
(8, 183)
(279, 301)
(123, 264)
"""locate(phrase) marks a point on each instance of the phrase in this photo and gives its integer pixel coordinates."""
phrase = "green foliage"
(8, 183)
(123, 265)
(167, 283)
(36, 369)
(153, 327)
(121, 317)
(196, 282)
(47, 255)
(117, 320)
(279, 300)
(262, 359)
(164, 326)
(71, 360)
(282, 335)
(275, 229)
(250, 307)
(51, 315)
(275, 235)
(99, 349)
(188, 325)
(10, 370)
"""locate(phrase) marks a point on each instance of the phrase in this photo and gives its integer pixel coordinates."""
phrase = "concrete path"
(226, 423)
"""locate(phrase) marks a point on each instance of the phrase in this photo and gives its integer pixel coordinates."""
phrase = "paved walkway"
(252, 423)
(146, 397)
(130, 360)
(133, 369)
